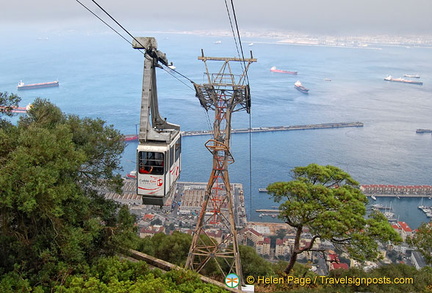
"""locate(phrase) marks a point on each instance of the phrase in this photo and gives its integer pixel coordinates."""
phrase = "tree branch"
(309, 247)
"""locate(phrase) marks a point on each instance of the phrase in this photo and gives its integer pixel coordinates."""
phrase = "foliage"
(112, 275)
(422, 240)
(172, 248)
(53, 220)
(410, 279)
(327, 202)
(175, 248)
(253, 264)
(389, 278)
(8, 102)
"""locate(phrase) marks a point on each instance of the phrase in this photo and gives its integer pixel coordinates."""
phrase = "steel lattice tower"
(224, 93)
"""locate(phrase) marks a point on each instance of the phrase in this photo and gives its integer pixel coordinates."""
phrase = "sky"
(398, 17)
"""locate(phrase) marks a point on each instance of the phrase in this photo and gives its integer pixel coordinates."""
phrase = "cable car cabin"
(158, 170)
(158, 153)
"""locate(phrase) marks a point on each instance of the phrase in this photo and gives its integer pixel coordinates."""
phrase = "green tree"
(173, 248)
(8, 102)
(53, 216)
(115, 275)
(253, 264)
(422, 240)
(328, 203)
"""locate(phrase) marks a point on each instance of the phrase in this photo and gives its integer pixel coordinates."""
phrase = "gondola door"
(152, 181)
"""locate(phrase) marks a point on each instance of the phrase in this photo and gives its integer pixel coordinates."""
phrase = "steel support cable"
(104, 22)
(239, 38)
(113, 19)
(166, 67)
(125, 30)
(247, 82)
(232, 28)
(250, 163)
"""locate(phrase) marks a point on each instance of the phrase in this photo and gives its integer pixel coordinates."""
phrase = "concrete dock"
(383, 190)
(281, 128)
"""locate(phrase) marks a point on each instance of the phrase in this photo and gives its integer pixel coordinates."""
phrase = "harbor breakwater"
(281, 128)
(382, 190)
(131, 137)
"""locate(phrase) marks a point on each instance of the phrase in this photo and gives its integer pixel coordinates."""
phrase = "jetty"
(382, 190)
(132, 137)
(268, 211)
(281, 128)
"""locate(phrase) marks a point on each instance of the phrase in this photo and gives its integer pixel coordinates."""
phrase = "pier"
(132, 137)
(381, 190)
(281, 128)
(267, 211)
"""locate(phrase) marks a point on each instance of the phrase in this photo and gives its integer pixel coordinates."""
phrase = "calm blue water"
(100, 76)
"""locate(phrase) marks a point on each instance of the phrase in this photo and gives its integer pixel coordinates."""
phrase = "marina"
(390, 209)
(395, 202)
(427, 210)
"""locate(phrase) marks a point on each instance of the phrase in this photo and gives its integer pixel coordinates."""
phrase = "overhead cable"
(164, 66)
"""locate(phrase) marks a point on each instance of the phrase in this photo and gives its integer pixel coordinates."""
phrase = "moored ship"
(390, 78)
(23, 86)
(412, 75)
(298, 85)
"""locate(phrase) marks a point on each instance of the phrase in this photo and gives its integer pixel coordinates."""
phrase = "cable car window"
(177, 150)
(171, 157)
(151, 163)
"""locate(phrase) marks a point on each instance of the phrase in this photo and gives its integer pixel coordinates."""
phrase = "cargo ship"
(274, 69)
(390, 78)
(23, 86)
(412, 75)
(421, 130)
(298, 85)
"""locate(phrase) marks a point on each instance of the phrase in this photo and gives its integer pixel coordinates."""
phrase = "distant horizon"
(283, 37)
(333, 17)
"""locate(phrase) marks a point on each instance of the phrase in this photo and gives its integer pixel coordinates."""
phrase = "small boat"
(130, 137)
(373, 197)
(23, 86)
(274, 69)
(262, 189)
(298, 85)
(132, 174)
(390, 78)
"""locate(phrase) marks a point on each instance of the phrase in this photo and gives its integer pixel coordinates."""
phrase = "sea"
(100, 76)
